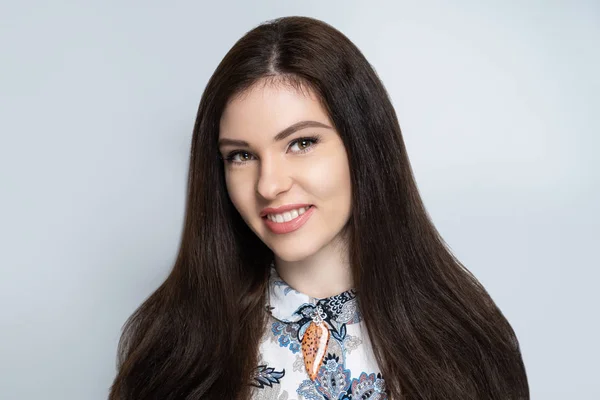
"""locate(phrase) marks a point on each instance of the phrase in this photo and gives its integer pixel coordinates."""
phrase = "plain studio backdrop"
(498, 103)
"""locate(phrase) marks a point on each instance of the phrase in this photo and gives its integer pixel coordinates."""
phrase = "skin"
(314, 258)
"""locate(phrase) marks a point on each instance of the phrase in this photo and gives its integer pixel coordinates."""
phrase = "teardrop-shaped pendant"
(314, 346)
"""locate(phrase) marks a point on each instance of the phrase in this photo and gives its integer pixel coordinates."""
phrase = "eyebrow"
(280, 136)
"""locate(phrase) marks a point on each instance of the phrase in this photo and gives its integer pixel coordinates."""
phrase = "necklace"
(314, 344)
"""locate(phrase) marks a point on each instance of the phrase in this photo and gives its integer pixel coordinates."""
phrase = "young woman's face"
(294, 170)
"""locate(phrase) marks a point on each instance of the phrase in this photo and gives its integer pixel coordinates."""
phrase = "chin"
(293, 252)
(291, 256)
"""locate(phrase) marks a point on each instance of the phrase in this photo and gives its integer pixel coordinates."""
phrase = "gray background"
(498, 102)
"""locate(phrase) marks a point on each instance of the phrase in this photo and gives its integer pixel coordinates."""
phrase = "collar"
(289, 305)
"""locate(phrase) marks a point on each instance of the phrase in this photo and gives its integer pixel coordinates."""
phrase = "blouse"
(347, 369)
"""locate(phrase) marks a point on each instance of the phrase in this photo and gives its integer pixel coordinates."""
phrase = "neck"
(323, 274)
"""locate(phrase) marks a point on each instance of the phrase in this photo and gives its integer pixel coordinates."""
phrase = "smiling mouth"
(295, 221)
(292, 215)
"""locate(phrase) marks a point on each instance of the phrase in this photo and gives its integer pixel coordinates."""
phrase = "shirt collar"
(289, 305)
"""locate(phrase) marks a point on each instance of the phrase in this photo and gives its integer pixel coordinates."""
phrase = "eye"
(303, 143)
(306, 144)
(231, 157)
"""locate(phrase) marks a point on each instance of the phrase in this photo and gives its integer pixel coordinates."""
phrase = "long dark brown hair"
(435, 331)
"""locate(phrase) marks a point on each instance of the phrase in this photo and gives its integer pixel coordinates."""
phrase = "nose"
(274, 177)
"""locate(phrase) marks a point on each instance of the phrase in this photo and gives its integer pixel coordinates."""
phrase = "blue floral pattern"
(287, 335)
(348, 371)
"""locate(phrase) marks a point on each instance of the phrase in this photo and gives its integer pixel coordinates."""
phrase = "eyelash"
(314, 139)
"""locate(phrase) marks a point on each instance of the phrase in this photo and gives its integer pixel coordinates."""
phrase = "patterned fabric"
(349, 370)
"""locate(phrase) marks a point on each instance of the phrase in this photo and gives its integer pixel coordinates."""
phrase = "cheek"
(237, 190)
(329, 177)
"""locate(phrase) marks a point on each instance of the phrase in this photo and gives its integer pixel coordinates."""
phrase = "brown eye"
(304, 144)
(231, 158)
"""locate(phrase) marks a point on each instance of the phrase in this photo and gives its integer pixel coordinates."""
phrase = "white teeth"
(288, 215)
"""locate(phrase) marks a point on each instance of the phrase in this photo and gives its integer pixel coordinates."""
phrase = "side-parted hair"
(436, 332)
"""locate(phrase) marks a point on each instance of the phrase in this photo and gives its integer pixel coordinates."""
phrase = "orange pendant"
(314, 346)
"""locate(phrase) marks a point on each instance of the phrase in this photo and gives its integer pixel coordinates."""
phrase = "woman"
(309, 267)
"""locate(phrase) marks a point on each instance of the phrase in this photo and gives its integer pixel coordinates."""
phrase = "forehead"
(265, 109)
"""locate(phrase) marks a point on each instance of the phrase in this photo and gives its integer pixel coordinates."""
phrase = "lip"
(290, 226)
(282, 209)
